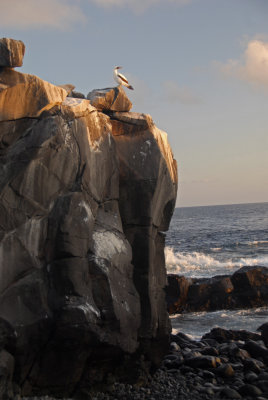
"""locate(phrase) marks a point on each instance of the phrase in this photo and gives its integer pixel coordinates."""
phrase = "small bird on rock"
(121, 79)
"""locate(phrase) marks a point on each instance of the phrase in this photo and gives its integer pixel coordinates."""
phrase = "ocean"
(215, 240)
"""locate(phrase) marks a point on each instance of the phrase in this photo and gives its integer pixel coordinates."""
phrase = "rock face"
(30, 95)
(247, 287)
(11, 53)
(148, 176)
(81, 239)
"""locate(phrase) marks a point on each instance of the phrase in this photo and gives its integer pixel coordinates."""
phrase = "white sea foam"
(197, 264)
(256, 242)
(198, 323)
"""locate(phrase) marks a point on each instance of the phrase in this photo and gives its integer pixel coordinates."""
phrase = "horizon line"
(228, 204)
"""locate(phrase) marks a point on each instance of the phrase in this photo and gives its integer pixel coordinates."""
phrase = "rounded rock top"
(11, 52)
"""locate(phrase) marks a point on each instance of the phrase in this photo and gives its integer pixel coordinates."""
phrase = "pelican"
(121, 79)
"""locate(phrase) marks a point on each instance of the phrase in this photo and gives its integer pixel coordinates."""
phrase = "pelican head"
(118, 67)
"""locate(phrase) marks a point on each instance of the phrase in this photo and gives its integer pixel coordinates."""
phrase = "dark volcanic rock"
(230, 393)
(222, 335)
(148, 183)
(8, 336)
(264, 332)
(251, 286)
(250, 390)
(212, 294)
(178, 287)
(247, 287)
(255, 349)
(6, 374)
(202, 362)
(81, 239)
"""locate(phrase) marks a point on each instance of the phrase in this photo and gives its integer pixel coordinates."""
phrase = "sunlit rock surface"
(113, 99)
(24, 95)
(81, 240)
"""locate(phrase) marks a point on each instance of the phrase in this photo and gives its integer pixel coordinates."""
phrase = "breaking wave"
(196, 324)
(199, 265)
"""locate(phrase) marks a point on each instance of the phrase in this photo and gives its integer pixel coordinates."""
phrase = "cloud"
(173, 93)
(25, 14)
(63, 14)
(252, 67)
(138, 5)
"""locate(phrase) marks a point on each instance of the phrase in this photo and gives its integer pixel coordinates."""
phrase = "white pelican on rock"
(121, 79)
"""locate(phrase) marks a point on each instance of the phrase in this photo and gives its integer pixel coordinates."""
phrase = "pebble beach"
(222, 365)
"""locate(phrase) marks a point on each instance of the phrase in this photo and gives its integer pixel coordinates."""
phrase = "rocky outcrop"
(11, 53)
(247, 287)
(110, 99)
(26, 96)
(148, 176)
(81, 239)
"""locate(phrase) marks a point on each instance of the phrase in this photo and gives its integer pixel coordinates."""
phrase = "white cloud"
(63, 14)
(25, 14)
(173, 93)
(138, 5)
(252, 66)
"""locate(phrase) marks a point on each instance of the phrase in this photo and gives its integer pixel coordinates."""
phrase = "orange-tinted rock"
(11, 53)
(23, 95)
(68, 87)
(178, 287)
(113, 99)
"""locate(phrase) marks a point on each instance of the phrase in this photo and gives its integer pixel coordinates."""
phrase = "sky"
(198, 67)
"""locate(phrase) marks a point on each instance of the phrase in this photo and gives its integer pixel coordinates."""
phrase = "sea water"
(217, 240)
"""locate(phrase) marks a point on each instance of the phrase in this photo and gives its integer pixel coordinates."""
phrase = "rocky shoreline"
(245, 288)
(224, 364)
(88, 189)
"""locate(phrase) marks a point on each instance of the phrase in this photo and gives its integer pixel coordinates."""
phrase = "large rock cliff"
(87, 190)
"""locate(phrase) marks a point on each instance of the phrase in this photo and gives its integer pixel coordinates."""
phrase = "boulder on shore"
(247, 287)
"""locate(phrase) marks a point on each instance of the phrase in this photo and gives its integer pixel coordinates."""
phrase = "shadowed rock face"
(148, 185)
(81, 244)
